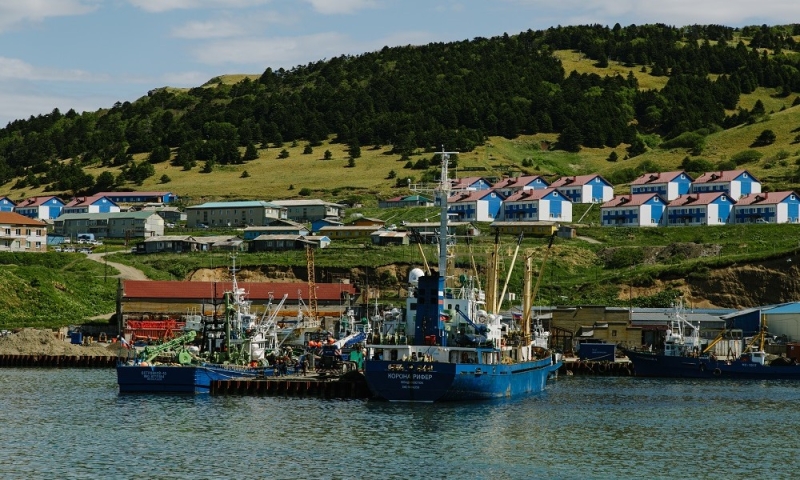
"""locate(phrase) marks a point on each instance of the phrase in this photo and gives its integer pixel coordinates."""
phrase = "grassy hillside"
(53, 289)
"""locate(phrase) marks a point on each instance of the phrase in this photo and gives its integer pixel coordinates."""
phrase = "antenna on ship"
(443, 191)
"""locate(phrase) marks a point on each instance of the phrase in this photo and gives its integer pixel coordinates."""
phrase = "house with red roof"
(509, 186)
(19, 233)
(585, 188)
(92, 204)
(737, 183)
(768, 207)
(40, 208)
(530, 205)
(669, 185)
(635, 210)
(707, 208)
(477, 206)
(470, 183)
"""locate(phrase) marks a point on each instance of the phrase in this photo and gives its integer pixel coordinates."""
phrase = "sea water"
(71, 423)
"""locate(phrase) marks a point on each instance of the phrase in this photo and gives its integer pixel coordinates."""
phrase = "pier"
(576, 366)
(58, 361)
(345, 387)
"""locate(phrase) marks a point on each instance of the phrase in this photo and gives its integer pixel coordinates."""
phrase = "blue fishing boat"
(448, 347)
(685, 356)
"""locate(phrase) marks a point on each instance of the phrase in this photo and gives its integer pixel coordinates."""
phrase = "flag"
(124, 342)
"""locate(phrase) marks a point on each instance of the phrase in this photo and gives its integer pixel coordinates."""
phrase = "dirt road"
(125, 272)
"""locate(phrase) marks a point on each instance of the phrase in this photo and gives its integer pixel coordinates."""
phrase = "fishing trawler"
(450, 347)
(685, 356)
(234, 346)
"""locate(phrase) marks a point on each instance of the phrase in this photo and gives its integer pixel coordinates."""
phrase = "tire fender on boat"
(717, 372)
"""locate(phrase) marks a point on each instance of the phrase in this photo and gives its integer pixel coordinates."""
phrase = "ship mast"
(443, 191)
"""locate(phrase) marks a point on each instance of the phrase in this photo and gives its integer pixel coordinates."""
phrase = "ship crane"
(312, 284)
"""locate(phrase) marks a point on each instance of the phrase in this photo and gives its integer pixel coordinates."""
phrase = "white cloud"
(14, 12)
(328, 7)
(158, 6)
(13, 68)
(229, 27)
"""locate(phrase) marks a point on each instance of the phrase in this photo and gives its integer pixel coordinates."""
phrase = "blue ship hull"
(646, 364)
(404, 381)
(188, 379)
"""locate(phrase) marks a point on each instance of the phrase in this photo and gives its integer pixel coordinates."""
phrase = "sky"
(90, 54)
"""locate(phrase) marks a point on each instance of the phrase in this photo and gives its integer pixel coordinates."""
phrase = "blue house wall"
(746, 182)
(6, 205)
(724, 208)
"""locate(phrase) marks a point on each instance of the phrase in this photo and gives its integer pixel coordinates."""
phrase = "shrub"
(746, 156)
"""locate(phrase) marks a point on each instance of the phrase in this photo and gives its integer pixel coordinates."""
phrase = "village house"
(585, 188)
(509, 186)
(669, 185)
(386, 237)
(139, 198)
(637, 210)
(234, 214)
(470, 184)
(709, 208)
(40, 208)
(767, 207)
(368, 222)
(279, 227)
(110, 225)
(19, 233)
(307, 211)
(92, 204)
(325, 222)
(347, 232)
(528, 229)
(6, 204)
(280, 242)
(537, 205)
(407, 201)
(477, 206)
(736, 183)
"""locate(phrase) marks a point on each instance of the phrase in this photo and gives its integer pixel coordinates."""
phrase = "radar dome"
(414, 274)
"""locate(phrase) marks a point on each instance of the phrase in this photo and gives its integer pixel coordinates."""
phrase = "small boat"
(449, 347)
(684, 356)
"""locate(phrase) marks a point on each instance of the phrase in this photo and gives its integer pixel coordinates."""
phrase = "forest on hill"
(421, 97)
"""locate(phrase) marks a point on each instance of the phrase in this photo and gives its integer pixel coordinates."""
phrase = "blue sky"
(89, 54)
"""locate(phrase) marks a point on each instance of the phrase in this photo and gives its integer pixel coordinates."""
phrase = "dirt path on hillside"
(125, 272)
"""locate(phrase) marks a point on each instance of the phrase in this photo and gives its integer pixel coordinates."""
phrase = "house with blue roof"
(509, 186)
(669, 185)
(768, 207)
(478, 206)
(40, 208)
(6, 204)
(92, 204)
(737, 183)
(537, 205)
(234, 214)
(316, 225)
(709, 208)
(585, 188)
(635, 210)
